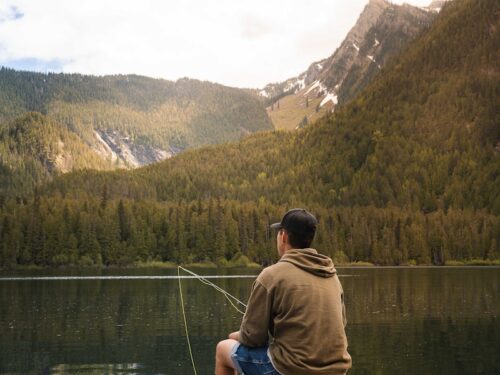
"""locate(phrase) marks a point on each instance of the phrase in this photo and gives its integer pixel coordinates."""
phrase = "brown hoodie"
(299, 302)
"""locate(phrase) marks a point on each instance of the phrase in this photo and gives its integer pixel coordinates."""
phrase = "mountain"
(125, 121)
(132, 119)
(404, 173)
(424, 133)
(33, 148)
(382, 31)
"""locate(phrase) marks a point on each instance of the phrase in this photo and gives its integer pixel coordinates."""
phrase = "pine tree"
(104, 196)
(123, 222)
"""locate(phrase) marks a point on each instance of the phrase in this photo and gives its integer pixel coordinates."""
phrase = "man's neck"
(286, 249)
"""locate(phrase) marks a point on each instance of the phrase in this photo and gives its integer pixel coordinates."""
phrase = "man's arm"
(254, 330)
(235, 335)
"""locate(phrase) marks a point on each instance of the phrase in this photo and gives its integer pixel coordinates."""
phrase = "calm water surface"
(400, 321)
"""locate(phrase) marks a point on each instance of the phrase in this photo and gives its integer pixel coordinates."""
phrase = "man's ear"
(285, 236)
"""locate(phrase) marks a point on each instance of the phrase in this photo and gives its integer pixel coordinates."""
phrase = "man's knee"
(224, 349)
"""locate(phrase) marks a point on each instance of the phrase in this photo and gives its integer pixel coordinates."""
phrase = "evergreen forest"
(406, 173)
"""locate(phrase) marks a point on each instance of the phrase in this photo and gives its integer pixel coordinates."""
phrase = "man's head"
(296, 230)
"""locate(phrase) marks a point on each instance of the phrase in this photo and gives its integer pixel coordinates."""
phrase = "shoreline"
(255, 266)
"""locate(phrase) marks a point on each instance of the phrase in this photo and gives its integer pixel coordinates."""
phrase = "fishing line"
(232, 300)
(185, 322)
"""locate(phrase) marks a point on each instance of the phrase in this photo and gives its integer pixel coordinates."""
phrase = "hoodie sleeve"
(254, 330)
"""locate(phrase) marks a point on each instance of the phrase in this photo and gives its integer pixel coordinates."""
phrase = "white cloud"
(245, 43)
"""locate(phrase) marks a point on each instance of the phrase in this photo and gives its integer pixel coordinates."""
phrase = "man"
(295, 318)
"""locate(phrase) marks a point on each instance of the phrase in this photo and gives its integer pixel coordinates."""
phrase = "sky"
(242, 43)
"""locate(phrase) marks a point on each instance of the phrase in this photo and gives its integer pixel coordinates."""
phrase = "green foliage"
(33, 148)
(52, 231)
(407, 173)
(171, 116)
(413, 139)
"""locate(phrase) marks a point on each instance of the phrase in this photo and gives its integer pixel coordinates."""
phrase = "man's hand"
(235, 335)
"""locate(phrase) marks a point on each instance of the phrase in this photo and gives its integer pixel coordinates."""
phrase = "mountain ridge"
(411, 108)
(127, 120)
(30, 91)
(382, 30)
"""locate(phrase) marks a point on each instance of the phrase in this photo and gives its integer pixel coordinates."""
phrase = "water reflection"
(98, 369)
(411, 321)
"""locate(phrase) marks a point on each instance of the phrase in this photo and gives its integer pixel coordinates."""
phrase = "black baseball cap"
(298, 221)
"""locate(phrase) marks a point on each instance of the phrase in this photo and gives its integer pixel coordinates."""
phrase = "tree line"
(405, 173)
(50, 231)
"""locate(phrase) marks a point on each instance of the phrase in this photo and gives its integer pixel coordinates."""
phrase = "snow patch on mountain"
(316, 85)
(435, 6)
(329, 97)
(301, 83)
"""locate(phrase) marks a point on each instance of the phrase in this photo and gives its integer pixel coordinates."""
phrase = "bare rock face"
(350, 55)
(125, 153)
(382, 30)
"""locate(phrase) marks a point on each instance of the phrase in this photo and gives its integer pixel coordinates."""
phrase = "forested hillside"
(184, 113)
(405, 173)
(33, 148)
(125, 121)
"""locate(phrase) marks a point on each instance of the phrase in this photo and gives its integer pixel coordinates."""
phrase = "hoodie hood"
(310, 261)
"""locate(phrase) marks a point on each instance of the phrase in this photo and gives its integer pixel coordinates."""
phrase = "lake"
(400, 321)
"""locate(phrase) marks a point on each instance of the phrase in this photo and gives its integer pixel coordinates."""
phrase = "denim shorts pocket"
(272, 371)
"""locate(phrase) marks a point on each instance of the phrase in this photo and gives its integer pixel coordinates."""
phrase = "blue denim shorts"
(252, 361)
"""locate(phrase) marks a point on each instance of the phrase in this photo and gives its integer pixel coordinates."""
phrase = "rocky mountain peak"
(381, 31)
(368, 18)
